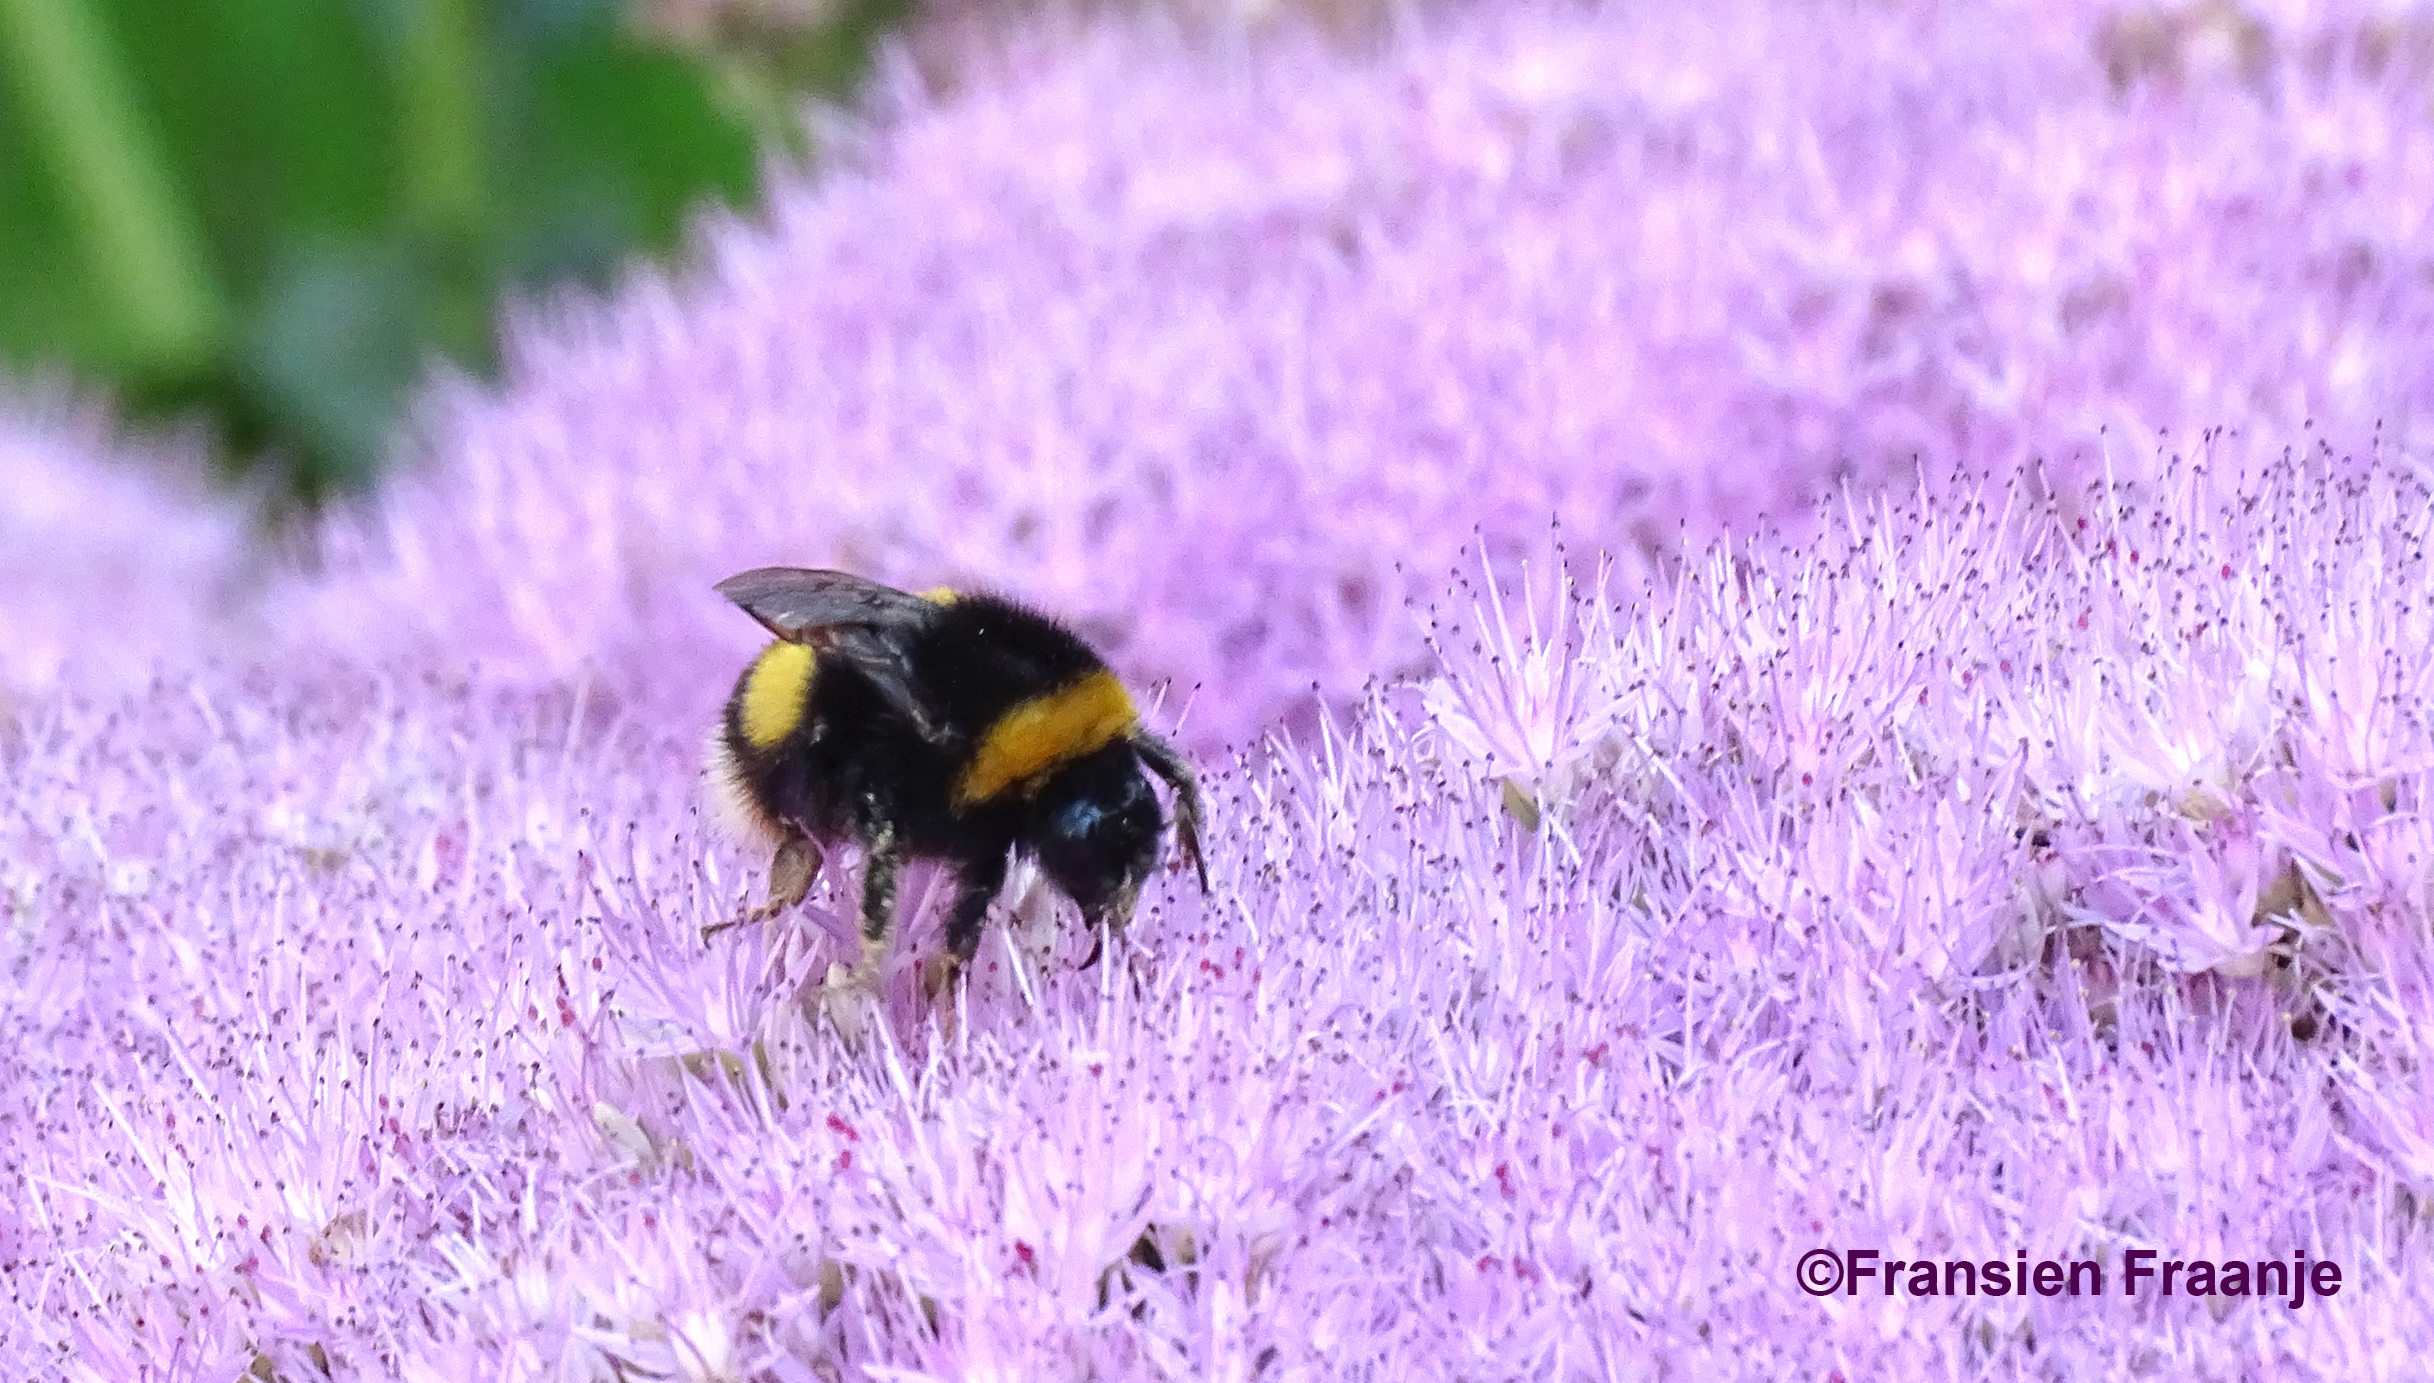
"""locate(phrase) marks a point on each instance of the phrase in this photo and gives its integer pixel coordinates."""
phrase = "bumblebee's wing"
(795, 601)
(845, 617)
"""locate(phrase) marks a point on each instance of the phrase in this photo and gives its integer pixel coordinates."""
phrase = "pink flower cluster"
(1901, 887)
(2001, 862)
(114, 556)
(1228, 356)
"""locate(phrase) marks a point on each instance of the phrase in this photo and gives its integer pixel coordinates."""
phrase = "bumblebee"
(958, 727)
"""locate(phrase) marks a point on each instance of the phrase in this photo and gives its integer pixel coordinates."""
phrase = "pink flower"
(1990, 870)
(416, 1063)
(115, 556)
(1229, 356)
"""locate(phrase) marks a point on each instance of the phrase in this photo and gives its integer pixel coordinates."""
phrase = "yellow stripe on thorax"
(1044, 732)
(775, 691)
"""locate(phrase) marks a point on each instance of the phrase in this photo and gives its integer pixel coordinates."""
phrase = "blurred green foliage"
(279, 211)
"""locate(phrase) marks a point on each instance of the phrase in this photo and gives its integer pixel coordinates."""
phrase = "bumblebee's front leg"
(979, 882)
(1115, 913)
(791, 874)
(879, 870)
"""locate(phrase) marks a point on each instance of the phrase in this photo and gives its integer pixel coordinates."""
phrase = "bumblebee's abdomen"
(774, 694)
(773, 765)
(808, 745)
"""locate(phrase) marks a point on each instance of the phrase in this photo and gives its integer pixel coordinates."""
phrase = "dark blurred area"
(276, 215)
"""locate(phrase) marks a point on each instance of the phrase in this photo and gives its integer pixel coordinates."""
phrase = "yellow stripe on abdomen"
(1044, 732)
(775, 691)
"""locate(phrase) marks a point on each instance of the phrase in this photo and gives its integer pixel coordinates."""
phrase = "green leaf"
(118, 213)
(282, 211)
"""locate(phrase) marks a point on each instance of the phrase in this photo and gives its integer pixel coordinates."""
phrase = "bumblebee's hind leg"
(979, 882)
(791, 874)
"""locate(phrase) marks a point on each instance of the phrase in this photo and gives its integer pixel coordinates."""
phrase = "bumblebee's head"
(1095, 825)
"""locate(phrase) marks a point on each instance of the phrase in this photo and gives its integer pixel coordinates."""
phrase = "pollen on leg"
(939, 973)
(791, 873)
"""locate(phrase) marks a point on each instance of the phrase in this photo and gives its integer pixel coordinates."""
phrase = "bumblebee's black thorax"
(984, 656)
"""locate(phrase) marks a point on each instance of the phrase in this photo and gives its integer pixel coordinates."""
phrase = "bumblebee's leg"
(981, 880)
(791, 874)
(978, 882)
(878, 899)
(1098, 939)
(1115, 913)
(1189, 816)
